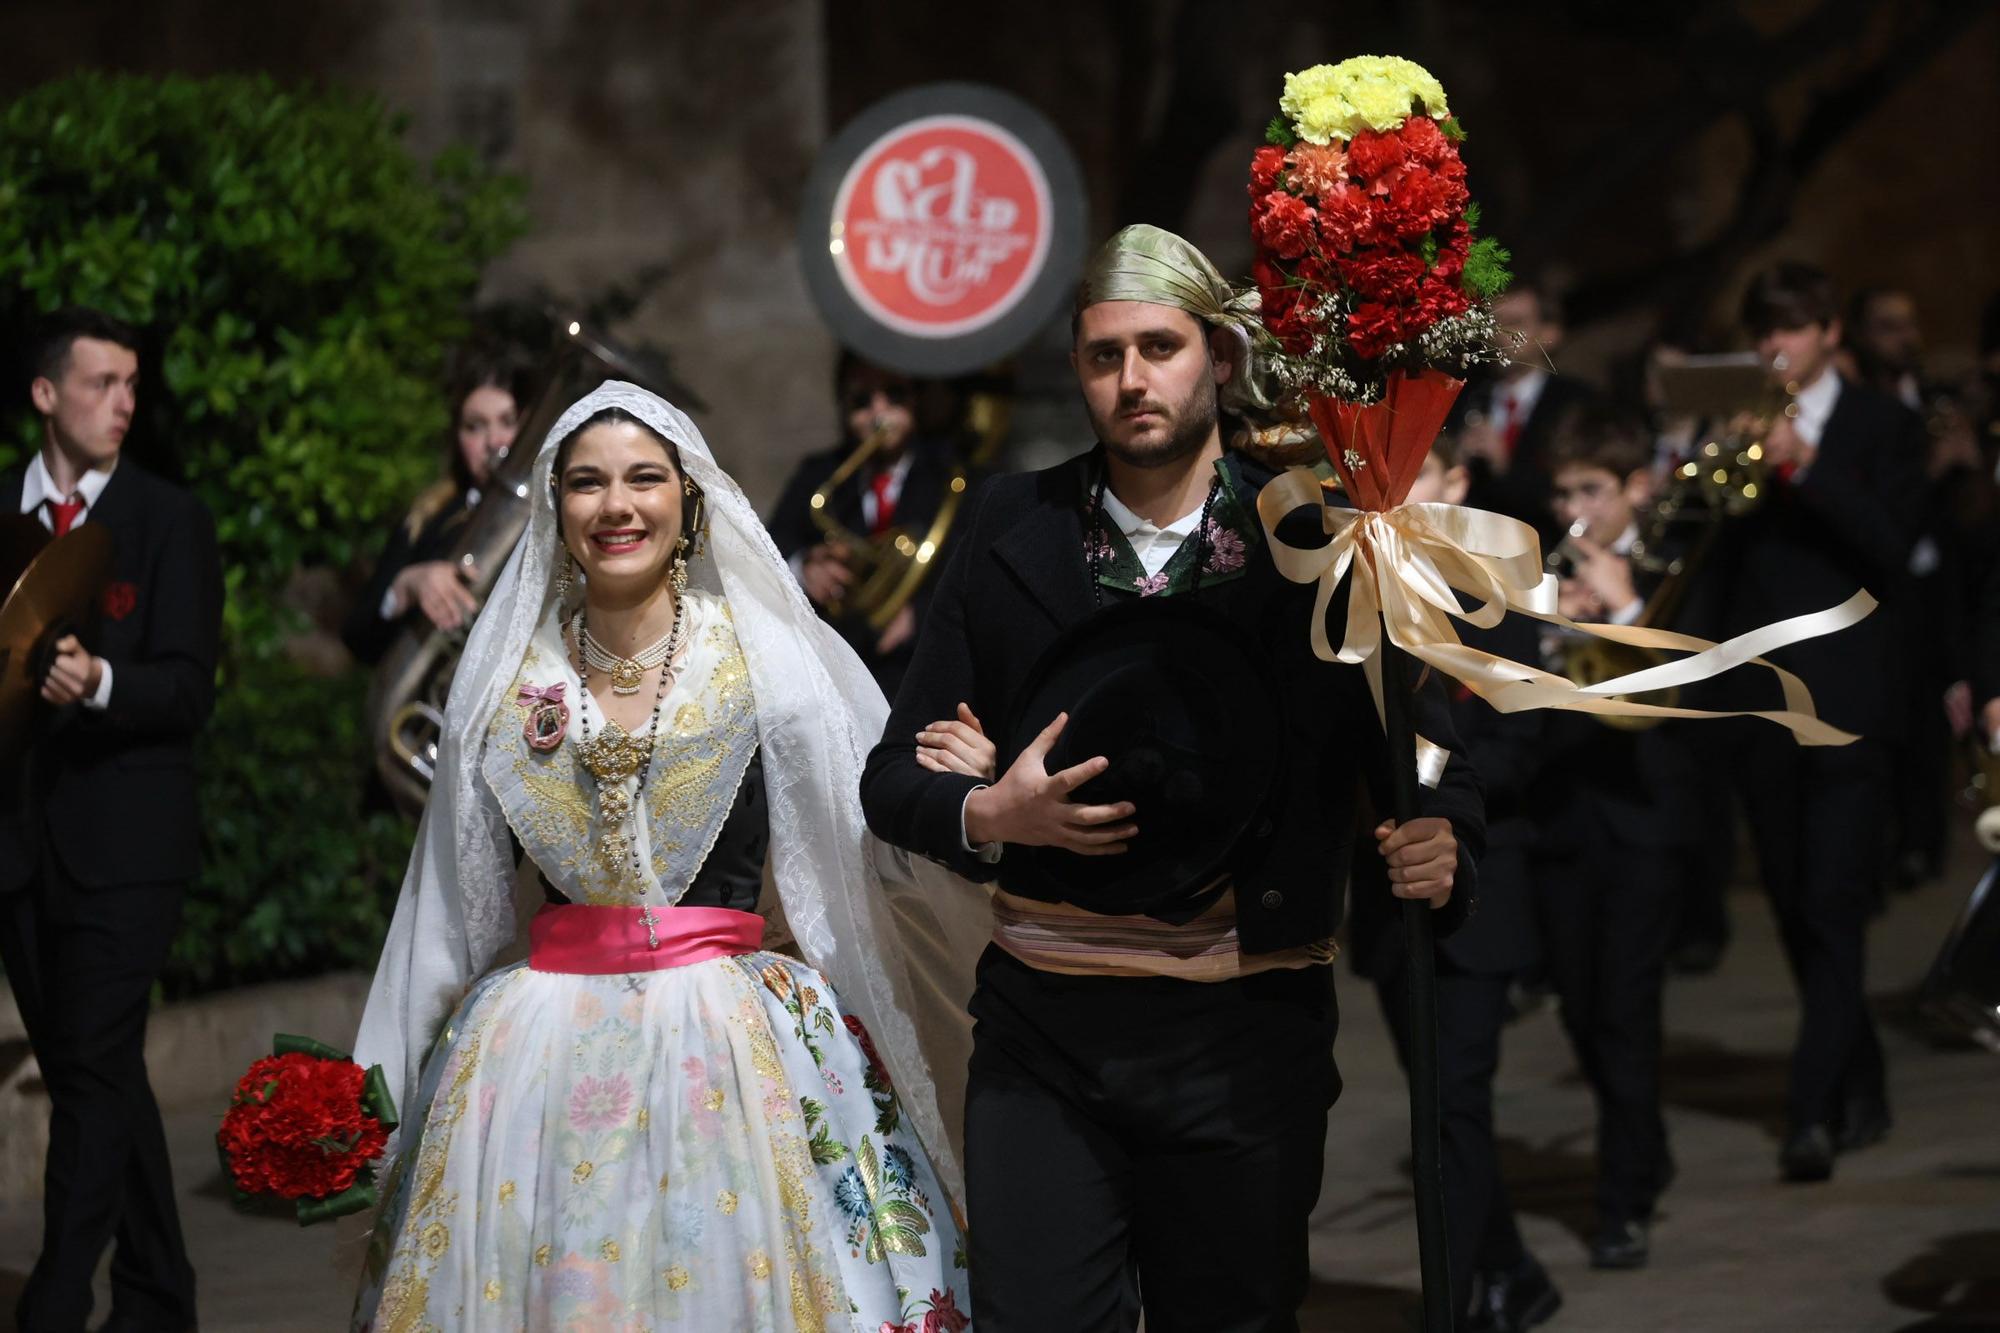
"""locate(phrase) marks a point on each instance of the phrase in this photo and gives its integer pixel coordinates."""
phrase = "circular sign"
(942, 228)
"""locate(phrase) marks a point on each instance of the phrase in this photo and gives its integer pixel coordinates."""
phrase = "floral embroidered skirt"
(711, 1147)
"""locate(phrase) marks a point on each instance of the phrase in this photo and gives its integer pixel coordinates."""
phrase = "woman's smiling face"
(620, 505)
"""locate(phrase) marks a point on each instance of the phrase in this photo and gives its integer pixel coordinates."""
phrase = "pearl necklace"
(627, 673)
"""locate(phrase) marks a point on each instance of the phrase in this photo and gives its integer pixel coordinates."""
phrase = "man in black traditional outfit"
(1152, 1061)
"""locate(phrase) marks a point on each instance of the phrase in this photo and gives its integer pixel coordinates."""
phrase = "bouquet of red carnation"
(1371, 278)
(307, 1124)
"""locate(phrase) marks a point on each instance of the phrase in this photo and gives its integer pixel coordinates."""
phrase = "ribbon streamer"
(1411, 563)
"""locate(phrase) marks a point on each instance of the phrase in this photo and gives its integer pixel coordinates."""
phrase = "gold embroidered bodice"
(582, 829)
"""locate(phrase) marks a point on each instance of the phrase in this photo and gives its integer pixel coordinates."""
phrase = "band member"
(95, 857)
(1506, 423)
(1497, 1285)
(1614, 830)
(413, 582)
(1841, 513)
(905, 480)
(1139, 1073)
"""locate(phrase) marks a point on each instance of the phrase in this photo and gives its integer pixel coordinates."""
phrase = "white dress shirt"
(1514, 400)
(39, 487)
(1816, 403)
(1153, 545)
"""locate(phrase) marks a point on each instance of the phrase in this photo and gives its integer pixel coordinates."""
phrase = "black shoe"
(1807, 1155)
(1864, 1123)
(1620, 1243)
(1510, 1299)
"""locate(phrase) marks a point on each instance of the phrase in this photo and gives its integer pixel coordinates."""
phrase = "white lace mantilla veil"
(896, 935)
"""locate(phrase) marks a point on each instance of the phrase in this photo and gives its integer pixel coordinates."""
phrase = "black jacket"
(1018, 577)
(1523, 490)
(1849, 523)
(112, 793)
(924, 491)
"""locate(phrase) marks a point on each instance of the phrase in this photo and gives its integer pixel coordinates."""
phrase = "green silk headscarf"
(1146, 263)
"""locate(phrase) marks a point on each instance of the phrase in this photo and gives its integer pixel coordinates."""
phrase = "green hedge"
(300, 276)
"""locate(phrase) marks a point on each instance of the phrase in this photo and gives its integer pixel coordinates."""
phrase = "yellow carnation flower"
(1329, 102)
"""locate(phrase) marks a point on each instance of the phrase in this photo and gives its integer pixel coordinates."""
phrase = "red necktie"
(885, 504)
(1510, 425)
(65, 512)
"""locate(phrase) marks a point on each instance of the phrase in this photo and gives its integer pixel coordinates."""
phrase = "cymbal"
(54, 585)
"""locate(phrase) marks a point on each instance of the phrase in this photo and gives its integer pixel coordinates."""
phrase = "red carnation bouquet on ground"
(1371, 277)
(307, 1124)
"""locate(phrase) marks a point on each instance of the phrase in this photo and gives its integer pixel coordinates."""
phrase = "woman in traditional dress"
(653, 1124)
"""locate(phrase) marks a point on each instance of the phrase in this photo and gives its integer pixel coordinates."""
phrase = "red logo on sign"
(941, 226)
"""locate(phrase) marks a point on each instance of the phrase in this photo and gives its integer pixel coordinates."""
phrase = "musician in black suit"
(1842, 510)
(413, 583)
(1129, 1089)
(1615, 818)
(902, 485)
(1506, 421)
(95, 856)
(1497, 1285)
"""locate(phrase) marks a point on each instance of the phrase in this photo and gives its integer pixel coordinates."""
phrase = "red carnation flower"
(1371, 155)
(1282, 224)
(1265, 164)
(1373, 328)
(295, 1127)
(1346, 220)
(1424, 141)
(1384, 275)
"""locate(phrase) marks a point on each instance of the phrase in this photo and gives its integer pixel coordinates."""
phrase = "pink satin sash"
(587, 940)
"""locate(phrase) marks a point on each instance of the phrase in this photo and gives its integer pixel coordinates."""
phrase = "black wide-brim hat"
(1171, 693)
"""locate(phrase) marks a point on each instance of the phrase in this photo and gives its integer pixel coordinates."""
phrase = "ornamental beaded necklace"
(614, 754)
(627, 672)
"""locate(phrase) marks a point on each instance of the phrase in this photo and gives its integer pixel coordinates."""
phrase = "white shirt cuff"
(987, 852)
(102, 699)
(391, 604)
(1630, 612)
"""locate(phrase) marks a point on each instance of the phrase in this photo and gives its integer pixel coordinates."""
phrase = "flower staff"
(1374, 288)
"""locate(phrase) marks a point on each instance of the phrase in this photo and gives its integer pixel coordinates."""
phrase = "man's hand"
(1989, 723)
(1958, 708)
(825, 573)
(74, 676)
(959, 746)
(437, 588)
(1422, 857)
(1783, 446)
(1606, 573)
(1030, 806)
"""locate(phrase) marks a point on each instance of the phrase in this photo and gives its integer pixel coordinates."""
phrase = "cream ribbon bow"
(1411, 563)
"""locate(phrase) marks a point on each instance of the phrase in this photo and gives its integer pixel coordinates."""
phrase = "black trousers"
(1607, 913)
(1480, 1229)
(82, 963)
(1817, 814)
(1149, 1129)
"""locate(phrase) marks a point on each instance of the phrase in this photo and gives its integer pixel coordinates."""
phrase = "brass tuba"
(406, 701)
(892, 566)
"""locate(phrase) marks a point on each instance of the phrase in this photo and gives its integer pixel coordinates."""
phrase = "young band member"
(96, 856)
(1506, 423)
(1137, 1076)
(902, 486)
(1841, 512)
(1614, 829)
(1497, 1285)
